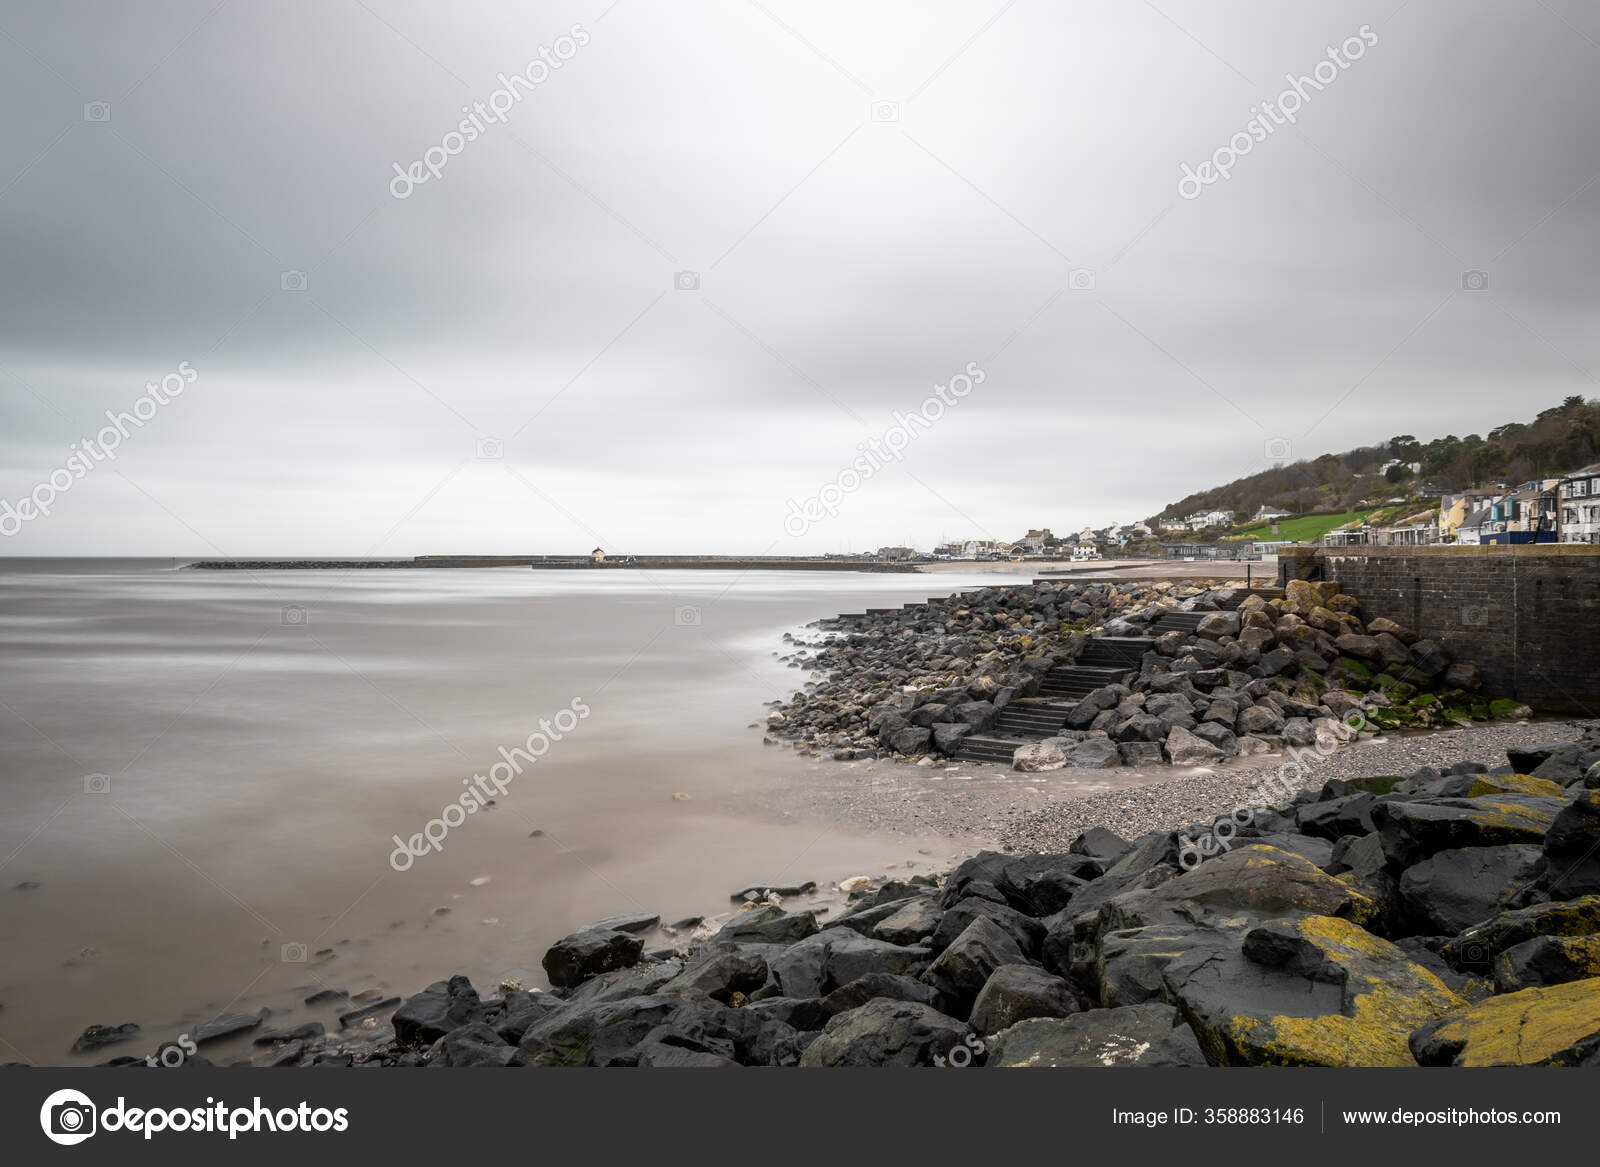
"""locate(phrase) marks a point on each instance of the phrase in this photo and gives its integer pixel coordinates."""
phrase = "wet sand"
(262, 738)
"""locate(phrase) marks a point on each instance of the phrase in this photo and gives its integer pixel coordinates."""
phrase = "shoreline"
(1026, 960)
(559, 563)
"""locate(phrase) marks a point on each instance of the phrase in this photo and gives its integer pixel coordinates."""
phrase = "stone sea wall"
(1527, 616)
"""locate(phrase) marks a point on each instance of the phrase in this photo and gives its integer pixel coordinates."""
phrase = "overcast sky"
(872, 197)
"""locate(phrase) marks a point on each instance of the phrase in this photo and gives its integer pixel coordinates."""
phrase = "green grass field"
(1303, 530)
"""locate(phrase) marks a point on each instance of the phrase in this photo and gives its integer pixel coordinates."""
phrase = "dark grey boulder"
(766, 924)
(1025, 930)
(354, 1017)
(821, 963)
(1150, 1035)
(719, 974)
(1572, 849)
(1453, 890)
(1546, 960)
(632, 922)
(306, 1031)
(100, 1036)
(1099, 843)
(886, 1033)
(639, 981)
(1015, 992)
(960, 971)
(911, 740)
(475, 1045)
(229, 1024)
(1412, 831)
(575, 958)
(1129, 962)
(871, 987)
(520, 1009)
(441, 1008)
(912, 924)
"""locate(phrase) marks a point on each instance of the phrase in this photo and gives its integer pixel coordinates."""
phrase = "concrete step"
(988, 749)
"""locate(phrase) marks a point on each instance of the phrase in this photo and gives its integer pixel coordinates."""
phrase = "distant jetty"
(583, 562)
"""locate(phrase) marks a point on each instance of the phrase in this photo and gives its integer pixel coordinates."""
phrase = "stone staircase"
(1105, 660)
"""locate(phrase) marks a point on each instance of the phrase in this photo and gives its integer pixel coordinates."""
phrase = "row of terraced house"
(1546, 510)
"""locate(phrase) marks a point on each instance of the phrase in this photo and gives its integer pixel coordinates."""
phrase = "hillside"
(1559, 439)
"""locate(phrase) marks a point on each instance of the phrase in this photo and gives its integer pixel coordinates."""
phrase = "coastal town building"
(1580, 505)
(1469, 531)
(984, 549)
(1216, 518)
(1038, 542)
(597, 555)
(1271, 512)
(1455, 506)
(1528, 514)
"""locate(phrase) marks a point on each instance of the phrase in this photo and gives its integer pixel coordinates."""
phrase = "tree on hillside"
(1405, 448)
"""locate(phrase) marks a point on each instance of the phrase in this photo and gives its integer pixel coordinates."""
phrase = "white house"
(1218, 518)
(1271, 512)
(1469, 531)
(1580, 506)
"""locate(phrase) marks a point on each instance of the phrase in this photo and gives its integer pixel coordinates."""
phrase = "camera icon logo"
(97, 784)
(686, 617)
(687, 281)
(489, 449)
(1475, 616)
(292, 281)
(1081, 279)
(1278, 449)
(885, 111)
(68, 1117)
(292, 616)
(1475, 281)
(1475, 953)
(97, 111)
(292, 953)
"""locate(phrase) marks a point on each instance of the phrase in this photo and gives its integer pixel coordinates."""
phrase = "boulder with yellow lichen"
(1476, 948)
(1252, 881)
(1547, 960)
(1315, 991)
(1557, 1026)
(1412, 831)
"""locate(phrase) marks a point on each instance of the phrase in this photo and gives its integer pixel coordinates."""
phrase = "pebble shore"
(1170, 805)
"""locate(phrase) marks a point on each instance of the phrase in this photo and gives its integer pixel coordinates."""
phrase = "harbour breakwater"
(574, 562)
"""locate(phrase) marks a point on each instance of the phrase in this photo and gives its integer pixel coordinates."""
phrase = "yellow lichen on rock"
(1536, 1027)
(1384, 997)
(1487, 784)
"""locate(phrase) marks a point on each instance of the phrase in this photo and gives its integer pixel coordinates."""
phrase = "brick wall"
(1528, 616)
